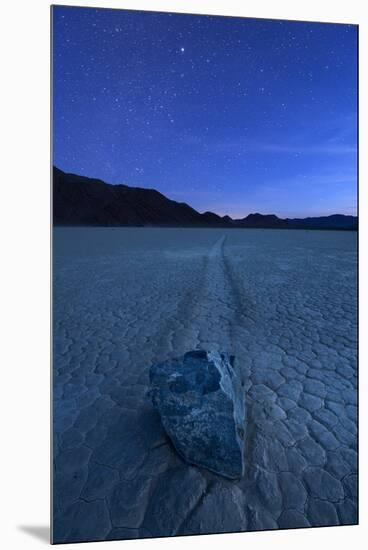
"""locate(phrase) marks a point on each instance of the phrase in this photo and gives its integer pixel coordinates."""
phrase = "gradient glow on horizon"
(228, 114)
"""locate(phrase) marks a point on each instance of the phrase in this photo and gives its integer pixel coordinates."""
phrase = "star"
(198, 107)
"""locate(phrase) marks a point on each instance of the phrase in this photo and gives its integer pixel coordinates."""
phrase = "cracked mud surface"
(284, 302)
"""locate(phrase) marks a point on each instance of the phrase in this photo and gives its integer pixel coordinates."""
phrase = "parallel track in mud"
(116, 474)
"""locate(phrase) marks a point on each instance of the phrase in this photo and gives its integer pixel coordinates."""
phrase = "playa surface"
(283, 302)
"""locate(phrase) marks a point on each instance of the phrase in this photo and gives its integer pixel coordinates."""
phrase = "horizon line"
(204, 211)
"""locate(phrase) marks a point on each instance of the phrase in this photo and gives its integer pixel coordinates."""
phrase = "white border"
(25, 241)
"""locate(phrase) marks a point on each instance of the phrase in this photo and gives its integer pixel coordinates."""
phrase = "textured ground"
(284, 302)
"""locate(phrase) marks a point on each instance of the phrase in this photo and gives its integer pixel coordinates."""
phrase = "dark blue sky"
(227, 114)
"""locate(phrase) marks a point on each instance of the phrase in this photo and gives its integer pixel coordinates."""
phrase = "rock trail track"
(288, 314)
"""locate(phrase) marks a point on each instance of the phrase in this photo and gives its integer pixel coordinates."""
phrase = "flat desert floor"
(283, 302)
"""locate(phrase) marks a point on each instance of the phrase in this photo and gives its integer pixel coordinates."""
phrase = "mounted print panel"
(204, 274)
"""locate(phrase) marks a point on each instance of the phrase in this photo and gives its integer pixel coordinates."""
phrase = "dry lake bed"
(283, 302)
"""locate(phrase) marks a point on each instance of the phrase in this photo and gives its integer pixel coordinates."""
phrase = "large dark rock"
(201, 403)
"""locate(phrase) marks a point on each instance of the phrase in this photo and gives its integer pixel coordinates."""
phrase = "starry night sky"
(227, 114)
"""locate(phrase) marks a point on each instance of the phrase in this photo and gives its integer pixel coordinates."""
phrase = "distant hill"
(335, 221)
(78, 200)
(261, 221)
